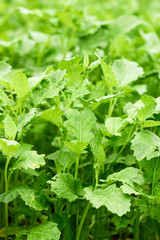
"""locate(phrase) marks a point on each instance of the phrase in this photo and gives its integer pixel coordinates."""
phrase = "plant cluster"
(79, 120)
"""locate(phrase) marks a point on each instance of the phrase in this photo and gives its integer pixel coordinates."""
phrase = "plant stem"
(82, 221)
(6, 189)
(111, 106)
(127, 141)
(96, 177)
(77, 165)
(137, 226)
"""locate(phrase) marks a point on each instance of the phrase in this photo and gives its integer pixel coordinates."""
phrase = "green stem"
(77, 165)
(96, 177)
(6, 189)
(82, 221)
(137, 226)
(110, 108)
(127, 141)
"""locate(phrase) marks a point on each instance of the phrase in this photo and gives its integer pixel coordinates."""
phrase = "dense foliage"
(79, 119)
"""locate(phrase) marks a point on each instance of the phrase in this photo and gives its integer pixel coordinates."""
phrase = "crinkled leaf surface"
(73, 69)
(80, 124)
(10, 128)
(44, 231)
(146, 145)
(31, 197)
(128, 175)
(9, 147)
(148, 109)
(126, 71)
(28, 158)
(22, 121)
(111, 197)
(4, 99)
(65, 186)
(113, 125)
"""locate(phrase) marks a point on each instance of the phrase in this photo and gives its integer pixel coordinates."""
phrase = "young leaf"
(4, 68)
(111, 197)
(113, 125)
(150, 123)
(9, 147)
(22, 121)
(53, 115)
(126, 71)
(20, 84)
(64, 157)
(10, 128)
(73, 69)
(146, 145)
(65, 186)
(76, 147)
(28, 158)
(80, 124)
(5, 101)
(108, 75)
(148, 110)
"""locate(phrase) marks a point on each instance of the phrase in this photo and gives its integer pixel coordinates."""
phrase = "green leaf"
(150, 123)
(20, 84)
(44, 231)
(76, 147)
(65, 186)
(113, 125)
(4, 68)
(9, 196)
(128, 175)
(32, 198)
(148, 110)
(10, 128)
(9, 147)
(108, 75)
(122, 222)
(28, 158)
(53, 115)
(152, 42)
(126, 71)
(146, 145)
(86, 60)
(73, 69)
(5, 101)
(152, 174)
(132, 110)
(64, 157)
(111, 197)
(125, 23)
(79, 90)
(80, 124)
(22, 121)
